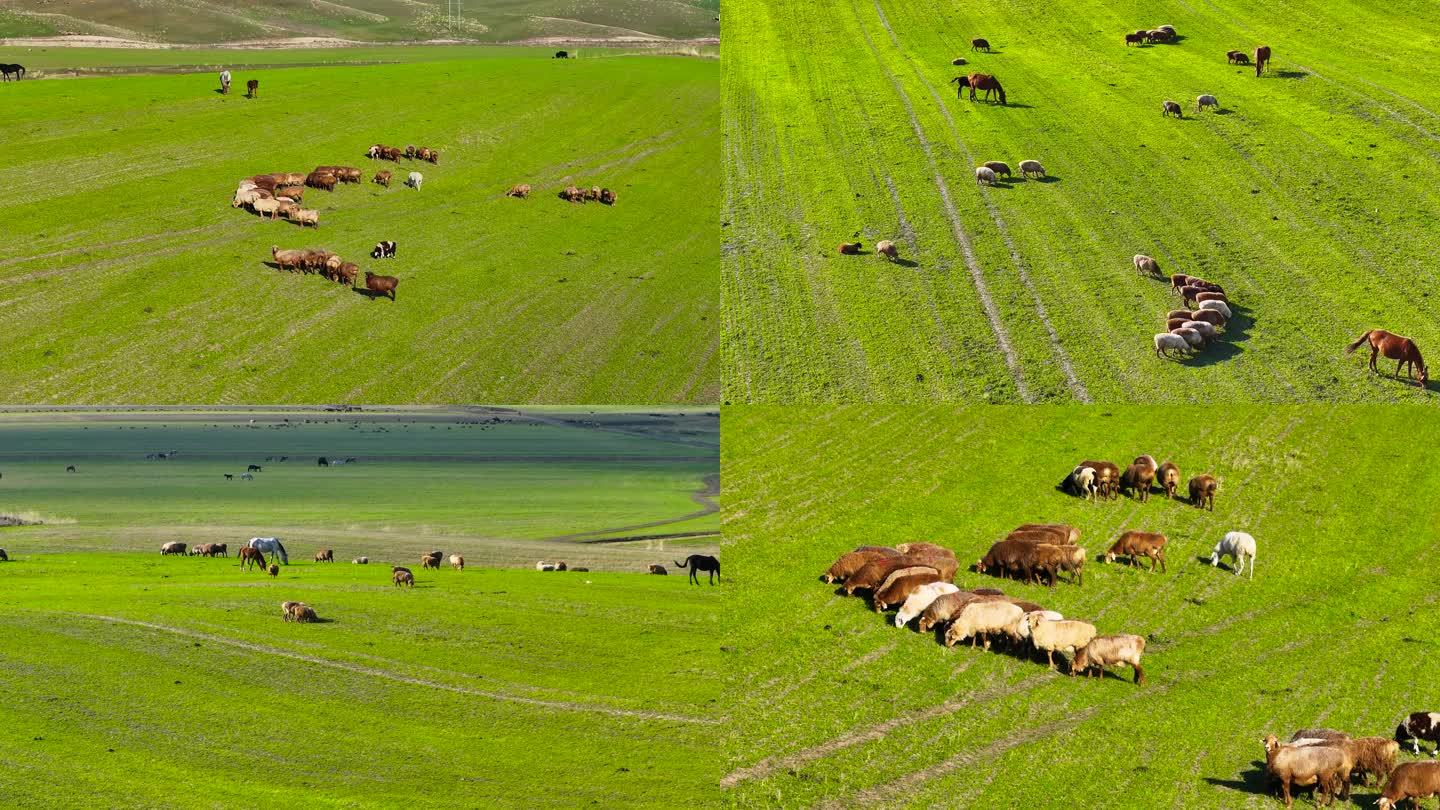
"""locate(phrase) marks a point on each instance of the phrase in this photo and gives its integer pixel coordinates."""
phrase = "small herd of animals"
(1189, 330)
(1104, 480)
(252, 86)
(918, 580)
(1328, 761)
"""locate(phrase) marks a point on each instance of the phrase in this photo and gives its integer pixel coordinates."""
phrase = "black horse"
(562, 55)
(6, 70)
(698, 563)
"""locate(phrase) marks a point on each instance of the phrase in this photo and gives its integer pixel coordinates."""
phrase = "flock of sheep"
(1328, 761)
(917, 579)
(987, 173)
(1189, 330)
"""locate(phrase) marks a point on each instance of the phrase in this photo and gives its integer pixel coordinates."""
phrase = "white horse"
(1238, 546)
(225, 81)
(271, 546)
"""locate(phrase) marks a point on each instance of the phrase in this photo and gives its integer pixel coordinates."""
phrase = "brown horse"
(1262, 55)
(986, 82)
(1394, 347)
(251, 556)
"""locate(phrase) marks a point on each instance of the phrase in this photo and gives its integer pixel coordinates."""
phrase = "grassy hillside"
(147, 681)
(126, 249)
(1311, 198)
(363, 20)
(835, 707)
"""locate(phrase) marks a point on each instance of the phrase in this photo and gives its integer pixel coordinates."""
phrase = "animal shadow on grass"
(1288, 74)
(219, 92)
(1228, 568)
(907, 263)
(369, 293)
(1226, 347)
(1049, 178)
(1251, 781)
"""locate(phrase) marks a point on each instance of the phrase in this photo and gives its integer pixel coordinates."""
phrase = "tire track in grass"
(967, 250)
(1077, 388)
(768, 766)
(394, 676)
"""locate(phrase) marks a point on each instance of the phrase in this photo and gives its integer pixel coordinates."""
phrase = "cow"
(383, 250)
(1419, 726)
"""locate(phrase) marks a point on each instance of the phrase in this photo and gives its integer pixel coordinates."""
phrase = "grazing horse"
(1394, 347)
(698, 563)
(986, 82)
(271, 545)
(224, 82)
(252, 88)
(6, 70)
(1262, 55)
(250, 556)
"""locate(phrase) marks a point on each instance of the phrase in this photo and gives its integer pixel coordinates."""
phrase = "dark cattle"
(1419, 726)
(698, 563)
(71, 468)
(383, 250)
(381, 285)
(6, 71)
(252, 88)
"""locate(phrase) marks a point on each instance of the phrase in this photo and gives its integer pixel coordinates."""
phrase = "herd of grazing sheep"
(918, 580)
(1328, 761)
(1189, 330)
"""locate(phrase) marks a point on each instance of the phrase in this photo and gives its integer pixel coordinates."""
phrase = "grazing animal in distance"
(1059, 636)
(984, 176)
(402, 577)
(325, 555)
(656, 568)
(1394, 347)
(71, 469)
(382, 178)
(1262, 58)
(253, 468)
(246, 477)
(381, 285)
(360, 561)
(1410, 780)
(998, 166)
(1326, 767)
(521, 190)
(1171, 108)
(1080, 481)
(1206, 100)
(561, 55)
(1031, 167)
(6, 71)
(1107, 651)
(850, 248)
(1169, 478)
(1419, 726)
(920, 598)
(1135, 545)
(1145, 264)
(252, 88)
(414, 180)
(273, 570)
(1239, 547)
(698, 563)
(383, 250)
(572, 194)
(1137, 479)
(1165, 343)
(172, 548)
(1134, 39)
(229, 477)
(887, 249)
(251, 556)
(979, 44)
(607, 197)
(224, 82)
(270, 545)
(957, 61)
(1237, 57)
(457, 562)
(1202, 491)
(986, 82)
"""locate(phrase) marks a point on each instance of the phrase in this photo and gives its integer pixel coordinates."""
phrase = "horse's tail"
(1360, 341)
(682, 565)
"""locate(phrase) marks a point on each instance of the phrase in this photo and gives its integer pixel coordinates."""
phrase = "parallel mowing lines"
(1076, 387)
(992, 314)
(380, 673)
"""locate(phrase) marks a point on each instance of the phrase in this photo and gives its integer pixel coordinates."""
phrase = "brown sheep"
(1410, 780)
(948, 606)
(982, 618)
(347, 273)
(429, 562)
(884, 551)
(172, 548)
(1139, 544)
(1324, 766)
(1138, 479)
(1202, 491)
(1107, 651)
(402, 576)
(887, 249)
(273, 570)
(592, 193)
(295, 192)
(1051, 560)
(656, 568)
(325, 555)
(899, 588)
(1107, 478)
(997, 166)
(382, 178)
(381, 285)
(1169, 478)
(1372, 755)
(520, 190)
(848, 564)
(872, 575)
(1038, 537)
(1182, 314)
(1069, 535)
(925, 549)
(287, 610)
(1145, 264)
(572, 194)
(607, 197)
(304, 614)
(1006, 558)
(850, 248)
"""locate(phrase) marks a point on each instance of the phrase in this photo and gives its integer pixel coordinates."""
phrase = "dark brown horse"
(986, 82)
(1394, 347)
(1262, 55)
(6, 71)
(252, 88)
(251, 556)
(698, 563)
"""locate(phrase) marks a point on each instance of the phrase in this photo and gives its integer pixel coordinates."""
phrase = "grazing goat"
(1108, 651)
(1410, 780)
(1135, 545)
(1238, 546)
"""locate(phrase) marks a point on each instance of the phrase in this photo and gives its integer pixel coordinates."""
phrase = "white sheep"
(1190, 335)
(980, 618)
(920, 598)
(1084, 478)
(1029, 167)
(415, 179)
(1216, 306)
(1053, 637)
(984, 175)
(307, 216)
(269, 206)
(1206, 330)
(1023, 625)
(1237, 546)
(1166, 343)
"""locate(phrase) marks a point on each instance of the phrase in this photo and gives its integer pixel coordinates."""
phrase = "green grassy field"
(128, 265)
(360, 20)
(136, 680)
(833, 706)
(1310, 198)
